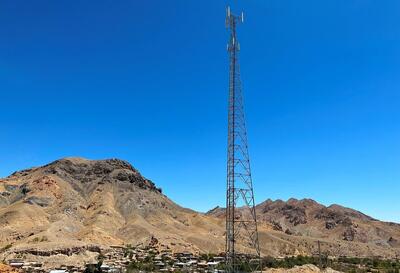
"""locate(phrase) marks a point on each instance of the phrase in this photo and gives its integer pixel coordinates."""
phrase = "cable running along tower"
(241, 224)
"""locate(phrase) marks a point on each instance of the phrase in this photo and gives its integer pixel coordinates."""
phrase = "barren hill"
(78, 203)
(341, 231)
(107, 202)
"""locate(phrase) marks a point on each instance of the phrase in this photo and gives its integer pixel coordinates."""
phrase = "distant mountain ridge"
(308, 218)
(75, 202)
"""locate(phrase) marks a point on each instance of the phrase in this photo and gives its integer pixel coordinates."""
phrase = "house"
(202, 264)
(105, 267)
(58, 271)
(219, 259)
(192, 262)
(180, 264)
(16, 263)
(212, 265)
(159, 264)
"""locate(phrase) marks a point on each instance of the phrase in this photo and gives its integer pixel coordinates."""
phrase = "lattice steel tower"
(241, 221)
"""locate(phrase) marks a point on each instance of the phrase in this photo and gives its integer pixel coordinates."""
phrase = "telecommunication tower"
(242, 245)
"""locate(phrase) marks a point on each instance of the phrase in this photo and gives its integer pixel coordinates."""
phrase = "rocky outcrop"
(349, 234)
(100, 171)
(61, 251)
(295, 215)
(393, 242)
(333, 218)
(277, 226)
(40, 201)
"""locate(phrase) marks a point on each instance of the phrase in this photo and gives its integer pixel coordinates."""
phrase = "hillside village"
(117, 259)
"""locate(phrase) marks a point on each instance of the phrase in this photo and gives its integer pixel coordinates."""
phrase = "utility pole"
(241, 224)
(319, 254)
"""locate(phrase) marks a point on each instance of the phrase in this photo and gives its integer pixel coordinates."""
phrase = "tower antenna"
(241, 219)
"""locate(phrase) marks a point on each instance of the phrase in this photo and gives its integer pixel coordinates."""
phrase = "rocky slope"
(75, 205)
(76, 202)
(341, 231)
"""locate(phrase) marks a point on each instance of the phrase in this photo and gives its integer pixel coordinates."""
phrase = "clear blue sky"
(146, 81)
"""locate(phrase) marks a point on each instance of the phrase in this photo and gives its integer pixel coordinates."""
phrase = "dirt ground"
(308, 268)
(7, 269)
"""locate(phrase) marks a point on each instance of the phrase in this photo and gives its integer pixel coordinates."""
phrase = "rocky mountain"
(76, 203)
(341, 231)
